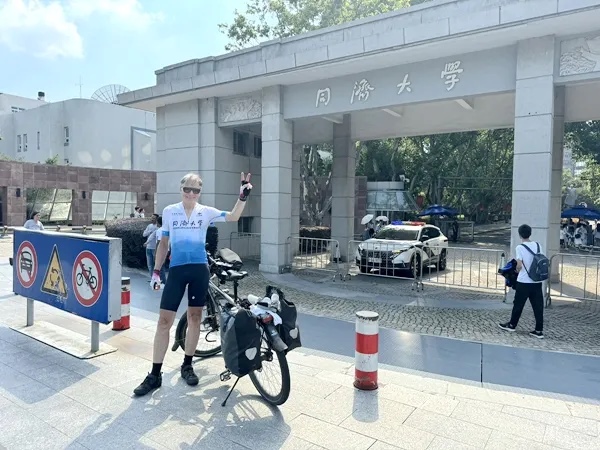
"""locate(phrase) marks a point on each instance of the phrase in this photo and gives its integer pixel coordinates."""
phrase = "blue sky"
(47, 45)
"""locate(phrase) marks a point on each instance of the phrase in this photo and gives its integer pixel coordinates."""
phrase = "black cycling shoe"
(150, 383)
(187, 373)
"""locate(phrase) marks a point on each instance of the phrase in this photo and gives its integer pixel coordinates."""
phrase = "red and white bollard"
(367, 350)
(123, 322)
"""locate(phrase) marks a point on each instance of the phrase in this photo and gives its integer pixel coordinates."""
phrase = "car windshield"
(397, 234)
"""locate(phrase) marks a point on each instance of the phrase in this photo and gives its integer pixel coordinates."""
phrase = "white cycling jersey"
(187, 236)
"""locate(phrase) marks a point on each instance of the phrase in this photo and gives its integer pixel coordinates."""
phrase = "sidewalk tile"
(583, 410)
(580, 425)
(441, 404)
(327, 435)
(561, 438)
(17, 424)
(504, 441)
(404, 395)
(449, 428)
(440, 443)
(502, 422)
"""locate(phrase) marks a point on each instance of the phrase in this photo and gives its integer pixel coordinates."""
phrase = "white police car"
(403, 247)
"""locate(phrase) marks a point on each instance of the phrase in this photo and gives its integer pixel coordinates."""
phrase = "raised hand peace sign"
(245, 187)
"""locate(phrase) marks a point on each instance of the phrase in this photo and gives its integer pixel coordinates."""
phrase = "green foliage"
(130, 231)
(271, 19)
(313, 244)
(584, 139)
(52, 161)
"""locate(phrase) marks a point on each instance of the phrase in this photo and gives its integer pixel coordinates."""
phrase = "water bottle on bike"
(267, 319)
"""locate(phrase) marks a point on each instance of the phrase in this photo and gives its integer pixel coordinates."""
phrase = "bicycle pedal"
(225, 376)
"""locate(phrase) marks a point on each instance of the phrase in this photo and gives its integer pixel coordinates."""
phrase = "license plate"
(375, 260)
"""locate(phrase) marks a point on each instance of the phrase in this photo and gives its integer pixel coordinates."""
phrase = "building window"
(66, 136)
(257, 147)
(38, 140)
(245, 225)
(24, 142)
(19, 143)
(239, 143)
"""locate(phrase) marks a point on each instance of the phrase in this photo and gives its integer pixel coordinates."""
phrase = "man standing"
(527, 288)
(150, 244)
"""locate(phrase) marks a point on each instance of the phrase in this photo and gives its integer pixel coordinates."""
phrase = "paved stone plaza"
(471, 315)
(49, 400)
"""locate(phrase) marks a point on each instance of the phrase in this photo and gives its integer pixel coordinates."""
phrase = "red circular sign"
(87, 278)
(26, 264)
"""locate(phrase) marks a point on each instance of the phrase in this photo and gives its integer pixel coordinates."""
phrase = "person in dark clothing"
(527, 288)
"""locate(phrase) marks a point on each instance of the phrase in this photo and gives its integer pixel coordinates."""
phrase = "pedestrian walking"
(532, 267)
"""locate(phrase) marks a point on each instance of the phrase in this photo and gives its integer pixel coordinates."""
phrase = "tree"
(584, 139)
(273, 19)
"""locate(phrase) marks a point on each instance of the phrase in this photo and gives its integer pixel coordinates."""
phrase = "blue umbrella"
(581, 212)
(439, 210)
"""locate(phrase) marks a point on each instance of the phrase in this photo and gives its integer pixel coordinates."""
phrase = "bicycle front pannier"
(288, 330)
(240, 341)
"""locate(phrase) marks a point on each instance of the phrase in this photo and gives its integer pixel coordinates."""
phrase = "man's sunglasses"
(187, 190)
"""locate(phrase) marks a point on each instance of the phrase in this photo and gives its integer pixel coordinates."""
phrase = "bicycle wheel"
(93, 282)
(79, 279)
(274, 367)
(209, 343)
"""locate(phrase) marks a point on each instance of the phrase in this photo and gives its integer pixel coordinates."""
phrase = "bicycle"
(225, 267)
(86, 274)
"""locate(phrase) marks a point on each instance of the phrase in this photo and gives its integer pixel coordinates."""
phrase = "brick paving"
(569, 326)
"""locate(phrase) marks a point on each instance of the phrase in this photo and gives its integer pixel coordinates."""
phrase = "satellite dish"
(108, 93)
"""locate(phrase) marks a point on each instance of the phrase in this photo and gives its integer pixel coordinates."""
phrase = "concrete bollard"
(124, 322)
(367, 350)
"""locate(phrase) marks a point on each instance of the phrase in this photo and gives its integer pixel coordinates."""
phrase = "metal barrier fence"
(384, 260)
(452, 266)
(247, 245)
(578, 277)
(313, 254)
(465, 267)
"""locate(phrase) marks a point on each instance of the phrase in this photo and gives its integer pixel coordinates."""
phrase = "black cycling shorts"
(193, 276)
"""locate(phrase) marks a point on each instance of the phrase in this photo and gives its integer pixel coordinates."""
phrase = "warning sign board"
(26, 264)
(54, 280)
(87, 278)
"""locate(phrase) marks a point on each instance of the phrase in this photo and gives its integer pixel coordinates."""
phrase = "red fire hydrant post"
(124, 322)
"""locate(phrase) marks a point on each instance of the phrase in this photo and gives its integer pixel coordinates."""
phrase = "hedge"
(130, 231)
(314, 245)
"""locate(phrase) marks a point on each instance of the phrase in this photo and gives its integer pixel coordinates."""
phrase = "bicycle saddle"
(230, 257)
(233, 275)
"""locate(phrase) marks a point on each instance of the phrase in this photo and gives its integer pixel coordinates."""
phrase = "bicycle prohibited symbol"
(87, 278)
(26, 264)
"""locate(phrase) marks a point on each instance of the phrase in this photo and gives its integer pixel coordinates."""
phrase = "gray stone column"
(276, 182)
(553, 245)
(177, 148)
(296, 163)
(539, 119)
(342, 180)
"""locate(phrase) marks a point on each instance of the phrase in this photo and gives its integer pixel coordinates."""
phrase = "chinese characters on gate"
(362, 89)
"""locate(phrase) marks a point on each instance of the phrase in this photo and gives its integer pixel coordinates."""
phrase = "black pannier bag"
(240, 341)
(288, 330)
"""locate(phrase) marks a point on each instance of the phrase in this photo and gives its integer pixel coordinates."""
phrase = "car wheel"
(441, 265)
(415, 265)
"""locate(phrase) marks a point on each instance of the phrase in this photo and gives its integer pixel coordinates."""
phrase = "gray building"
(443, 66)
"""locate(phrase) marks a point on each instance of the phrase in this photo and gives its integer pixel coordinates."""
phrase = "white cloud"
(38, 28)
(127, 13)
(48, 28)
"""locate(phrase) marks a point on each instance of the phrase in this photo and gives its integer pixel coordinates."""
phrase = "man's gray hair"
(191, 177)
